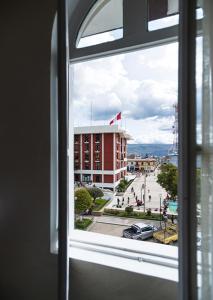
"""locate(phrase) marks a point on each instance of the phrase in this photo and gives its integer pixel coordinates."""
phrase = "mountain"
(149, 149)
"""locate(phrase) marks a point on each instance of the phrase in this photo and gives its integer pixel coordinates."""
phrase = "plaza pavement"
(151, 187)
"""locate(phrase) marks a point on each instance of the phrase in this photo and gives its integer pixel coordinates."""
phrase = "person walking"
(128, 200)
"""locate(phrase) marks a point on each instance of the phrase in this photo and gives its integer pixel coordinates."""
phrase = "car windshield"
(135, 228)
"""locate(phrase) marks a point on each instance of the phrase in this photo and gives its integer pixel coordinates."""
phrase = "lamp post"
(160, 195)
(145, 191)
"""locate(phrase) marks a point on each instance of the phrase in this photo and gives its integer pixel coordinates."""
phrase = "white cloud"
(139, 84)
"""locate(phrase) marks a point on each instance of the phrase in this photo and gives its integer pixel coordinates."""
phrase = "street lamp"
(145, 189)
(160, 195)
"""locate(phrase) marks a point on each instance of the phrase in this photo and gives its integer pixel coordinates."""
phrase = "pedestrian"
(123, 201)
(136, 198)
(134, 194)
(143, 197)
(150, 197)
(128, 200)
(118, 201)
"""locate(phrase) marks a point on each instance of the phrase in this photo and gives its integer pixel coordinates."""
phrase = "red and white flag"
(117, 117)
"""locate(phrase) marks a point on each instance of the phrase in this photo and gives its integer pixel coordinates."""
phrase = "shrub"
(149, 212)
(129, 209)
(83, 200)
(82, 224)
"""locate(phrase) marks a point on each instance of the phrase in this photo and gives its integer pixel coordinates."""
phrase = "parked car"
(139, 231)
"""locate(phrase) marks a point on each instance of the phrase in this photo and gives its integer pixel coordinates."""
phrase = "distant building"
(100, 155)
(141, 164)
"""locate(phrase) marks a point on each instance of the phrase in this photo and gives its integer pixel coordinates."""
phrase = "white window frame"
(96, 246)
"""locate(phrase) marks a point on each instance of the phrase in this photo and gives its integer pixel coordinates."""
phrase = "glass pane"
(163, 14)
(204, 66)
(126, 130)
(104, 23)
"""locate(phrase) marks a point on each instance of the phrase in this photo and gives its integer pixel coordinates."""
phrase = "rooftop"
(102, 129)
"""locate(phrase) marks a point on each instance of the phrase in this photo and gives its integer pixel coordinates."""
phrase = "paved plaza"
(143, 188)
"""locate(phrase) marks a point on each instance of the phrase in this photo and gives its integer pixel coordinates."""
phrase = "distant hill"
(150, 149)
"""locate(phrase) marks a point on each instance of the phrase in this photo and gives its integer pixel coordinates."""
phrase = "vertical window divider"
(63, 208)
(187, 153)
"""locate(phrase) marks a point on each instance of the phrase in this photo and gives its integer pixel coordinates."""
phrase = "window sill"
(146, 258)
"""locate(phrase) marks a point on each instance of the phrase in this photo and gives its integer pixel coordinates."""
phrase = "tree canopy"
(122, 185)
(95, 192)
(83, 200)
(168, 178)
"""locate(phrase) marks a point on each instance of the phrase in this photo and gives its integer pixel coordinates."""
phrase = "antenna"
(173, 151)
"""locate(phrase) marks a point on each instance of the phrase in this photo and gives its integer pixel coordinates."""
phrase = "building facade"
(100, 155)
(141, 164)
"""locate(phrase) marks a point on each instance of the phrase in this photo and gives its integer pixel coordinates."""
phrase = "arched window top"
(105, 16)
(102, 27)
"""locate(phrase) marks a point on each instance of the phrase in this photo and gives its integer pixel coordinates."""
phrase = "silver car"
(139, 231)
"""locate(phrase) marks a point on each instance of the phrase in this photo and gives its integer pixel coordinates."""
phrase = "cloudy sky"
(142, 85)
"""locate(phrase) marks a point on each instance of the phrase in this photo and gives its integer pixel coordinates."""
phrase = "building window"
(87, 166)
(97, 156)
(97, 178)
(98, 138)
(86, 138)
(76, 139)
(86, 147)
(86, 178)
(86, 157)
(97, 147)
(98, 166)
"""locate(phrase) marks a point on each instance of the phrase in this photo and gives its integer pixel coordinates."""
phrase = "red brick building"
(100, 155)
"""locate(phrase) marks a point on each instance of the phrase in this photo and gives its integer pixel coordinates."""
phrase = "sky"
(142, 85)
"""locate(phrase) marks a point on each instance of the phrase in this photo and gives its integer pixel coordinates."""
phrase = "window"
(86, 138)
(97, 147)
(98, 166)
(97, 156)
(86, 147)
(76, 139)
(86, 157)
(97, 138)
(135, 40)
(97, 178)
(104, 23)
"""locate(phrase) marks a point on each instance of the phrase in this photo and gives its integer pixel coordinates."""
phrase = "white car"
(139, 231)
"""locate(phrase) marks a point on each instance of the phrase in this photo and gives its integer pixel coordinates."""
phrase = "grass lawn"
(82, 224)
(99, 204)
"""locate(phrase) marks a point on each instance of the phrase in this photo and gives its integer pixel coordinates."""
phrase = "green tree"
(122, 185)
(168, 178)
(83, 200)
(95, 192)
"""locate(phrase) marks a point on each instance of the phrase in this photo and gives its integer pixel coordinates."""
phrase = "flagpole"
(91, 113)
